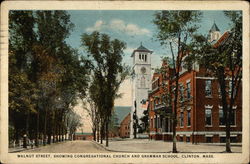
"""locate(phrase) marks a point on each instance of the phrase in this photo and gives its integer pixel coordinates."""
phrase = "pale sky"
(132, 27)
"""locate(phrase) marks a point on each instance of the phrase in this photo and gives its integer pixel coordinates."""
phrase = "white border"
(124, 5)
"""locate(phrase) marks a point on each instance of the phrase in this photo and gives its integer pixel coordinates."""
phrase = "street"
(78, 146)
(133, 146)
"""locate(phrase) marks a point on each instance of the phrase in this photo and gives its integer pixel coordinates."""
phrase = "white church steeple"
(214, 33)
(141, 81)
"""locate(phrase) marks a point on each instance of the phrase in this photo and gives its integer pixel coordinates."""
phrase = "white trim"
(209, 106)
(234, 107)
(188, 81)
(208, 132)
(205, 78)
(209, 135)
(231, 135)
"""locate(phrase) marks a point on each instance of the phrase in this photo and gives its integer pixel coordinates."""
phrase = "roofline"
(141, 51)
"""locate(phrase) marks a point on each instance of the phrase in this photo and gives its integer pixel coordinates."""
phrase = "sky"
(132, 27)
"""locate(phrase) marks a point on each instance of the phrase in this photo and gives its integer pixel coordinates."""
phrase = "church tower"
(214, 33)
(140, 82)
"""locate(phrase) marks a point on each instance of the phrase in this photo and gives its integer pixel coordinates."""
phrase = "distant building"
(124, 130)
(122, 122)
(140, 81)
(200, 118)
(83, 136)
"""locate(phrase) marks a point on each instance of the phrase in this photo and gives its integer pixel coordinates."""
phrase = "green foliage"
(176, 28)
(46, 76)
(145, 121)
(173, 24)
(108, 72)
(222, 60)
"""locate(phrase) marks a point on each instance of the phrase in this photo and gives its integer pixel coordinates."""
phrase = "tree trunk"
(102, 133)
(221, 78)
(107, 133)
(94, 134)
(98, 133)
(37, 128)
(174, 150)
(49, 130)
(45, 127)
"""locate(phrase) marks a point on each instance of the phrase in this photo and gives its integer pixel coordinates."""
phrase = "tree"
(145, 121)
(223, 60)
(22, 91)
(46, 75)
(175, 28)
(108, 71)
(73, 121)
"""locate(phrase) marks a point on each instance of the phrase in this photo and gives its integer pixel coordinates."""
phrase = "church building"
(141, 83)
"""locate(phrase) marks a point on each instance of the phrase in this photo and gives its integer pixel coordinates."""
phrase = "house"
(199, 111)
(83, 136)
(122, 121)
(124, 130)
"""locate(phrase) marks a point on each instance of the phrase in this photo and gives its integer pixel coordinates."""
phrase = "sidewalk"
(152, 146)
(20, 149)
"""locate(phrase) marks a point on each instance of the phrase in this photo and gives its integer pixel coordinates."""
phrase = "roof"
(214, 28)
(141, 49)
(222, 39)
(121, 112)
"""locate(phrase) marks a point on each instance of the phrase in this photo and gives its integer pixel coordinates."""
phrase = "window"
(221, 117)
(166, 124)
(232, 119)
(145, 58)
(208, 113)
(140, 56)
(156, 122)
(233, 116)
(230, 89)
(181, 119)
(208, 139)
(188, 90)
(181, 93)
(208, 88)
(189, 118)
(219, 91)
(143, 84)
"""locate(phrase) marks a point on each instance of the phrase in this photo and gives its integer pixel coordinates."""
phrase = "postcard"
(124, 82)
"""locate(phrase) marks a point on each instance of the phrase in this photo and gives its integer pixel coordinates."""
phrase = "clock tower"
(140, 83)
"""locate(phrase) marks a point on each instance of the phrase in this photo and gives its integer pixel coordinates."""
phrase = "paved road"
(133, 146)
(70, 147)
(152, 146)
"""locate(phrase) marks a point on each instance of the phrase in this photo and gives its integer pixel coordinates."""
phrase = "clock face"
(143, 70)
